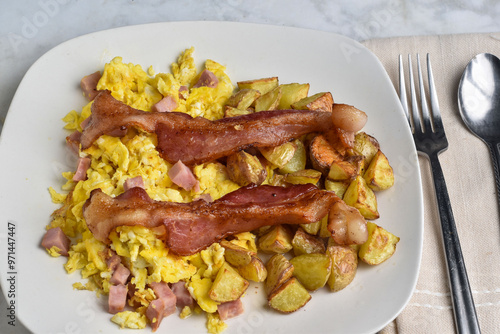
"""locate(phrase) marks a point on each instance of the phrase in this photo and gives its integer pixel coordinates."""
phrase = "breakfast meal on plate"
(186, 188)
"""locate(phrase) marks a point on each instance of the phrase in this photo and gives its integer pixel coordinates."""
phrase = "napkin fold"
(469, 176)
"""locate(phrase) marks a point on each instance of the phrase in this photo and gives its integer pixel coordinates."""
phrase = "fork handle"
(495, 155)
(463, 303)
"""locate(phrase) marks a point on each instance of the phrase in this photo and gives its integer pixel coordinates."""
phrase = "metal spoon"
(479, 104)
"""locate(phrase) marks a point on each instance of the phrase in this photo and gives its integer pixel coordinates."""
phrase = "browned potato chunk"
(277, 239)
(255, 270)
(380, 245)
(243, 99)
(366, 145)
(268, 101)
(228, 285)
(244, 169)
(319, 101)
(304, 243)
(232, 111)
(236, 255)
(379, 175)
(342, 171)
(322, 154)
(262, 85)
(360, 196)
(304, 176)
(312, 270)
(323, 229)
(298, 161)
(311, 228)
(292, 93)
(344, 266)
(279, 269)
(338, 187)
(279, 155)
(289, 297)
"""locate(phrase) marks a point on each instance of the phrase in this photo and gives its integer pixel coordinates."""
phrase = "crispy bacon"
(198, 140)
(191, 227)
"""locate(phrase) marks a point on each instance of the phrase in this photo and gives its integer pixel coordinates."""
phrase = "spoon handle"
(495, 155)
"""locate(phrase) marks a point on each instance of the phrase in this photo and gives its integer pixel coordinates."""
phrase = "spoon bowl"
(479, 104)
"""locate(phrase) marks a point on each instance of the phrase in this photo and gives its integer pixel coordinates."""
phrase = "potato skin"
(344, 266)
(312, 270)
(289, 296)
(279, 269)
(380, 245)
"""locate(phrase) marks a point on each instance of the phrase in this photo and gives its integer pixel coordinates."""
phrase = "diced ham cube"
(113, 262)
(73, 141)
(133, 182)
(182, 176)
(162, 306)
(230, 310)
(81, 169)
(56, 237)
(120, 275)
(184, 298)
(89, 85)
(205, 197)
(168, 103)
(117, 298)
(183, 92)
(207, 79)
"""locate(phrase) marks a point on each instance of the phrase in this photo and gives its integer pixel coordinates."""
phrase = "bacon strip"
(198, 140)
(191, 227)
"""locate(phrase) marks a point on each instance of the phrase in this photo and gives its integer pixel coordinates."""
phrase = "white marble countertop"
(28, 29)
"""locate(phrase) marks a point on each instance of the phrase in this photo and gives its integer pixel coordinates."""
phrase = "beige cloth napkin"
(469, 176)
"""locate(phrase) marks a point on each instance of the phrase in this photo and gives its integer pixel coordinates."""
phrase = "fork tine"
(436, 115)
(413, 95)
(423, 100)
(402, 90)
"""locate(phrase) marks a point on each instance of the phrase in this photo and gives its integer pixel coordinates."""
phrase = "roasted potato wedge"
(360, 196)
(319, 101)
(263, 85)
(304, 243)
(279, 269)
(255, 270)
(236, 255)
(298, 161)
(311, 228)
(279, 155)
(344, 266)
(228, 285)
(244, 169)
(323, 230)
(268, 101)
(323, 154)
(292, 93)
(232, 111)
(289, 297)
(277, 239)
(312, 270)
(380, 245)
(303, 176)
(342, 171)
(379, 174)
(243, 99)
(365, 145)
(339, 187)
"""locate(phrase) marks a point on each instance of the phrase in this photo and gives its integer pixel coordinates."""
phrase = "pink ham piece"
(134, 182)
(73, 141)
(81, 170)
(207, 79)
(230, 310)
(117, 298)
(56, 237)
(89, 85)
(113, 262)
(166, 104)
(120, 275)
(184, 298)
(182, 176)
(183, 92)
(162, 306)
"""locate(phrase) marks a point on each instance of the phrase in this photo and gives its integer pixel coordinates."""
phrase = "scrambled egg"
(114, 160)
